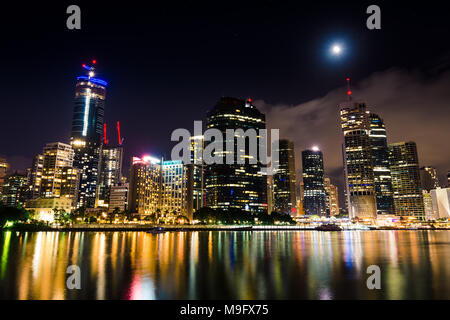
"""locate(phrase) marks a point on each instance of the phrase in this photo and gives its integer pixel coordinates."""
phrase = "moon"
(336, 49)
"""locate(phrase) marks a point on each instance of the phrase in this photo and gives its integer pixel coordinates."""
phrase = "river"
(225, 265)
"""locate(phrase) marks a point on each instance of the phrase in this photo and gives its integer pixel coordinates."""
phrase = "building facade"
(381, 168)
(87, 127)
(161, 188)
(441, 203)
(14, 190)
(110, 173)
(236, 186)
(428, 178)
(198, 168)
(357, 155)
(283, 180)
(118, 198)
(406, 185)
(332, 198)
(314, 195)
(4, 166)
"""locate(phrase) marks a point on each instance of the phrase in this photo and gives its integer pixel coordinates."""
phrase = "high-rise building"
(357, 155)
(284, 180)
(176, 189)
(428, 205)
(240, 186)
(34, 177)
(380, 162)
(110, 172)
(441, 203)
(56, 157)
(145, 186)
(4, 166)
(314, 195)
(118, 197)
(14, 190)
(406, 185)
(332, 197)
(87, 127)
(160, 188)
(199, 192)
(428, 178)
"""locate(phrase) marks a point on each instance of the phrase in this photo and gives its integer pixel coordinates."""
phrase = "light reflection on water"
(225, 265)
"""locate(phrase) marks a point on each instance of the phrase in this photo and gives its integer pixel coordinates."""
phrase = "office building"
(34, 177)
(428, 205)
(110, 172)
(332, 198)
(87, 127)
(161, 188)
(441, 203)
(199, 192)
(284, 180)
(237, 186)
(145, 186)
(4, 166)
(406, 185)
(357, 156)
(428, 178)
(57, 157)
(14, 190)
(380, 163)
(314, 195)
(176, 189)
(118, 198)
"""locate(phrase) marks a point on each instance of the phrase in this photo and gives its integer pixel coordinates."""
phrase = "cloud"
(414, 108)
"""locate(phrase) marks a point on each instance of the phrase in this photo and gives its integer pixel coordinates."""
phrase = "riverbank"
(180, 228)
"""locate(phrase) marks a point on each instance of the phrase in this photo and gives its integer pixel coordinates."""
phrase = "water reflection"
(225, 265)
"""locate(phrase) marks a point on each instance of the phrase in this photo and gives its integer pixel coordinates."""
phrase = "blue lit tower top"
(90, 95)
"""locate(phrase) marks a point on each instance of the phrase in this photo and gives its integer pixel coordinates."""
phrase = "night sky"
(167, 63)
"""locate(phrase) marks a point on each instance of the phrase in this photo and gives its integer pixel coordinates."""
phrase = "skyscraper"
(87, 126)
(160, 188)
(357, 155)
(314, 195)
(14, 190)
(199, 192)
(145, 186)
(57, 156)
(283, 180)
(3, 169)
(332, 197)
(380, 162)
(429, 178)
(34, 177)
(408, 197)
(110, 173)
(176, 189)
(52, 174)
(441, 203)
(240, 186)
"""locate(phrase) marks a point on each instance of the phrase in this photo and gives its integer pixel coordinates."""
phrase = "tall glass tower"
(87, 126)
(406, 185)
(380, 162)
(314, 195)
(236, 186)
(283, 181)
(357, 155)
